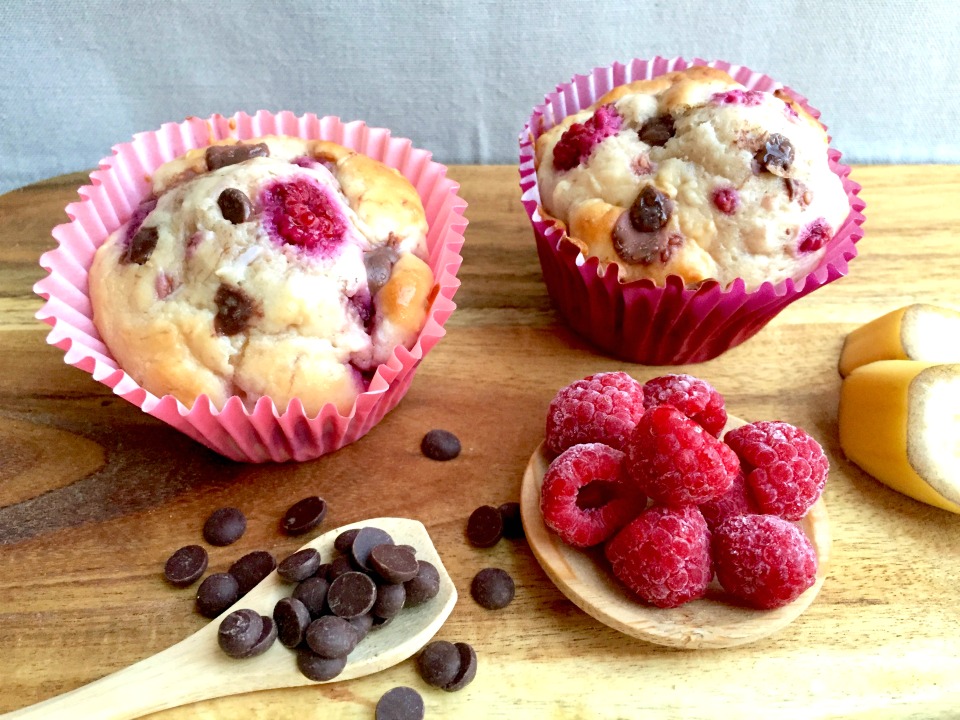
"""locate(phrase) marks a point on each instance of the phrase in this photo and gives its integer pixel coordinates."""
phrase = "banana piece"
(900, 422)
(915, 332)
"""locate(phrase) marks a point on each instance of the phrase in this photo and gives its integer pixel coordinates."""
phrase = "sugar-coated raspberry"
(814, 236)
(695, 398)
(663, 556)
(302, 213)
(736, 501)
(600, 408)
(726, 200)
(785, 468)
(675, 461)
(763, 560)
(579, 140)
(585, 497)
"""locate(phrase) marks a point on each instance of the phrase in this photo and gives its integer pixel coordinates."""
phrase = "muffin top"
(691, 174)
(275, 267)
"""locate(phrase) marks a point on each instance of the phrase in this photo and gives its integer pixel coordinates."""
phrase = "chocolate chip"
(362, 624)
(390, 601)
(365, 541)
(300, 565)
(796, 190)
(344, 541)
(657, 131)
(468, 668)
(216, 593)
(218, 156)
(252, 568)
(644, 248)
(425, 586)
(141, 246)
(485, 527)
(338, 567)
(319, 668)
(378, 263)
(492, 588)
(331, 637)
(292, 618)
(235, 206)
(439, 663)
(267, 637)
(651, 210)
(234, 310)
(185, 566)
(224, 526)
(440, 445)
(775, 155)
(394, 563)
(352, 594)
(239, 632)
(312, 592)
(304, 515)
(400, 703)
(512, 520)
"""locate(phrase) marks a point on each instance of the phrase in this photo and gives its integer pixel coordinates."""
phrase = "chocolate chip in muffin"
(657, 131)
(651, 210)
(796, 190)
(234, 310)
(775, 155)
(141, 246)
(235, 206)
(379, 262)
(643, 248)
(218, 156)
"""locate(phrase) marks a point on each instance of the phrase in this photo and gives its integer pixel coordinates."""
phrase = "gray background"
(458, 78)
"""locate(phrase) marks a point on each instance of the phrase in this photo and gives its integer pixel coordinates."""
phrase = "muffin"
(274, 267)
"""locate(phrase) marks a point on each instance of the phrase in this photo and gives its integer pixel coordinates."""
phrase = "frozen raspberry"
(675, 461)
(763, 560)
(736, 501)
(785, 467)
(663, 556)
(814, 236)
(695, 398)
(738, 97)
(303, 214)
(600, 408)
(726, 200)
(585, 497)
(576, 144)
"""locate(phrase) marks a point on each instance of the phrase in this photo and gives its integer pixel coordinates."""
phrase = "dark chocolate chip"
(485, 527)
(304, 515)
(185, 566)
(319, 668)
(268, 636)
(252, 568)
(351, 595)
(657, 131)
(141, 246)
(365, 541)
(216, 593)
(492, 588)
(424, 586)
(224, 526)
(512, 520)
(344, 541)
(438, 663)
(394, 563)
(300, 565)
(643, 248)
(411, 548)
(651, 210)
(292, 618)
(440, 445)
(338, 567)
(468, 668)
(400, 703)
(379, 263)
(390, 600)
(312, 592)
(235, 206)
(239, 632)
(331, 636)
(379, 622)
(775, 155)
(218, 156)
(796, 190)
(234, 310)
(362, 624)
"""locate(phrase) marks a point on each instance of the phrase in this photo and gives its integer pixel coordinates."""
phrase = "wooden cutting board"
(95, 495)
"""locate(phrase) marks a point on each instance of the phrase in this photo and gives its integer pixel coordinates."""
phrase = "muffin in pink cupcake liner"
(262, 434)
(640, 321)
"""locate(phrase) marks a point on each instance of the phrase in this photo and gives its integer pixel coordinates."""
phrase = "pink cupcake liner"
(263, 434)
(638, 321)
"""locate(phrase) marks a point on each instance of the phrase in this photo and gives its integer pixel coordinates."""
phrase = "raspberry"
(585, 497)
(814, 236)
(579, 140)
(738, 97)
(785, 467)
(303, 214)
(663, 556)
(736, 501)
(600, 408)
(763, 560)
(695, 398)
(675, 461)
(726, 200)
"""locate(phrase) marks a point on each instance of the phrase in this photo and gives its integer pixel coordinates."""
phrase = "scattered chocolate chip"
(218, 156)
(394, 563)
(439, 663)
(216, 593)
(292, 618)
(400, 703)
(651, 210)
(775, 155)
(512, 521)
(312, 592)
(657, 131)
(267, 637)
(492, 588)
(344, 541)
(468, 668)
(425, 586)
(440, 445)
(235, 206)
(224, 526)
(338, 567)
(141, 246)
(351, 595)
(644, 248)
(331, 637)
(390, 601)
(239, 632)
(319, 668)
(234, 310)
(304, 515)
(379, 263)
(362, 624)
(365, 541)
(252, 568)
(185, 566)
(300, 565)
(485, 527)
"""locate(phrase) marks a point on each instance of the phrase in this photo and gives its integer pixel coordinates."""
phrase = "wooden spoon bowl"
(711, 622)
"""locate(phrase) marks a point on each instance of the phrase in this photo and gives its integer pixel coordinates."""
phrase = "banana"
(916, 332)
(900, 421)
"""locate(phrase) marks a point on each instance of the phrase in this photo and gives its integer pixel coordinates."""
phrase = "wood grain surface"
(95, 496)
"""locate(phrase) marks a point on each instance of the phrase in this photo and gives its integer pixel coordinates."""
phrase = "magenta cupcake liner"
(639, 321)
(262, 434)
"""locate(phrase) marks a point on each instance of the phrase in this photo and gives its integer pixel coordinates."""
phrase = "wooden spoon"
(711, 622)
(196, 669)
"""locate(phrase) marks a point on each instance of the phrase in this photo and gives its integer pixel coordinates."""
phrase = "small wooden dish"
(711, 622)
